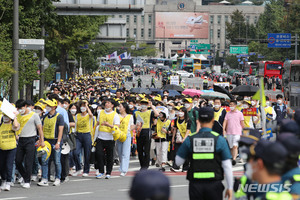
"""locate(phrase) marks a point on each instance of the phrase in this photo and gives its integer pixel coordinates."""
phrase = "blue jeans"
(83, 141)
(55, 154)
(7, 158)
(124, 153)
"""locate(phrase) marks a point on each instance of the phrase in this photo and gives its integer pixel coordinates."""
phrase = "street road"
(115, 188)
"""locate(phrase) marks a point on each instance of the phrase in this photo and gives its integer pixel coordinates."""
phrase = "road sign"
(279, 40)
(199, 52)
(238, 49)
(31, 44)
(209, 57)
(194, 41)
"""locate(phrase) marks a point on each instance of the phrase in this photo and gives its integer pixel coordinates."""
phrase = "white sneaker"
(7, 187)
(97, 172)
(67, 179)
(107, 176)
(52, 178)
(26, 185)
(76, 173)
(123, 174)
(34, 178)
(3, 184)
(44, 182)
(85, 175)
(101, 175)
(21, 180)
(56, 182)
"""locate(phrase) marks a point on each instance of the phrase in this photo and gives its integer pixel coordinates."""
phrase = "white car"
(185, 74)
(126, 68)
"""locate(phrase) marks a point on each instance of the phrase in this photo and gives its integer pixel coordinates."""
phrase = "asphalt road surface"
(115, 188)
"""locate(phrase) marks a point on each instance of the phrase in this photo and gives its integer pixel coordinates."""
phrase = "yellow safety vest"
(83, 123)
(161, 125)
(23, 119)
(106, 118)
(218, 114)
(146, 116)
(49, 127)
(239, 108)
(182, 128)
(240, 192)
(124, 123)
(268, 111)
(7, 137)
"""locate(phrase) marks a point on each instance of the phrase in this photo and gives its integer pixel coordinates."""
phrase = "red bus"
(270, 68)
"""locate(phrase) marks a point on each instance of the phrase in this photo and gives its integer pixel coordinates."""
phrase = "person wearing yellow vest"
(144, 120)
(8, 149)
(53, 126)
(124, 148)
(30, 123)
(83, 138)
(107, 119)
(161, 141)
(219, 116)
(182, 129)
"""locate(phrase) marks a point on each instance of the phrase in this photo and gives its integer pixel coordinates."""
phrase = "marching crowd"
(93, 121)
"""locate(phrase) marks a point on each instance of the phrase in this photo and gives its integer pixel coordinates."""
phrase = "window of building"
(219, 19)
(143, 19)
(159, 47)
(149, 33)
(219, 33)
(120, 16)
(127, 32)
(255, 19)
(127, 18)
(134, 32)
(218, 46)
(134, 18)
(211, 33)
(150, 19)
(142, 33)
(211, 19)
(113, 16)
(248, 19)
(226, 18)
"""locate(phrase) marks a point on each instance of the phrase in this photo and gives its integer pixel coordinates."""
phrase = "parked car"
(186, 74)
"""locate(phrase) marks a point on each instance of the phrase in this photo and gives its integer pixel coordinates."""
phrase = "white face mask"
(107, 109)
(29, 109)
(268, 103)
(37, 111)
(170, 107)
(106, 93)
(279, 101)
(217, 106)
(6, 119)
(249, 171)
(144, 107)
(181, 114)
(187, 105)
(247, 98)
(138, 107)
(130, 106)
(65, 106)
(48, 109)
(253, 103)
(239, 103)
(232, 108)
(211, 102)
(73, 111)
(176, 112)
(195, 103)
(165, 100)
(245, 106)
(82, 109)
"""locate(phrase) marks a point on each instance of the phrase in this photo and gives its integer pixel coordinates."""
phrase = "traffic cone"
(201, 76)
(274, 89)
(282, 89)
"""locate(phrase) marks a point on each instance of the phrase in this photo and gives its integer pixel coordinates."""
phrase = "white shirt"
(105, 135)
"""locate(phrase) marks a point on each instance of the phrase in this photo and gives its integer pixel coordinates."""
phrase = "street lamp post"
(15, 81)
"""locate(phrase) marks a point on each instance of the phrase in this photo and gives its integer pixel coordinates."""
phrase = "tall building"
(174, 23)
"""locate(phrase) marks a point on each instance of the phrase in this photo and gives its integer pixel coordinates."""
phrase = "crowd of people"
(93, 121)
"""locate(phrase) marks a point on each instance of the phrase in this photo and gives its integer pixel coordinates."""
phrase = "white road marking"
(73, 194)
(12, 198)
(79, 180)
(238, 168)
(123, 190)
(177, 186)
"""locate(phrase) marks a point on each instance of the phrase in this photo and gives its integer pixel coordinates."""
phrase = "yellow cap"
(144, 101)
(157, 98)
(42, 106)
(190, 100)
(51, 103)
(178, 107)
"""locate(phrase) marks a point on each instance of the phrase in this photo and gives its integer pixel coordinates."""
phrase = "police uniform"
(206, 150)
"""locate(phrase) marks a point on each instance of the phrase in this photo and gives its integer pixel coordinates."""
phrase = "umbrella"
(192, 92)
(172, 93)
(245, 90)
(154, 89)
(140, 90)
(218, 88)
(173, 87)
(211, 95)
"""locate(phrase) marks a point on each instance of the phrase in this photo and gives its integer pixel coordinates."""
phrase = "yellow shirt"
(83, 124)
(7, 137)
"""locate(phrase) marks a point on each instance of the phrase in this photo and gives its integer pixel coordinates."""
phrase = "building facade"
(145, 28)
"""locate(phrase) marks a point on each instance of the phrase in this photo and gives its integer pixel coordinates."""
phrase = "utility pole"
(15, 81)
(296, 46)
(42, 67)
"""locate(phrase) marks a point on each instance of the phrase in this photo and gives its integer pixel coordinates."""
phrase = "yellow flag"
(257, 96)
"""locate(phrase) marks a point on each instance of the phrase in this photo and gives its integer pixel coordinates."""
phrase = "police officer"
(205, 83)
(210, 159)
(280, 109)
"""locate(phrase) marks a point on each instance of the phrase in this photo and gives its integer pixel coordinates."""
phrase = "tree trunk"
(29, 92)
(71, 66)
(63, 63)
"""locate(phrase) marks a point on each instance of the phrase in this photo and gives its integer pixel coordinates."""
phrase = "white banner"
(222, 84)
(174, 80)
